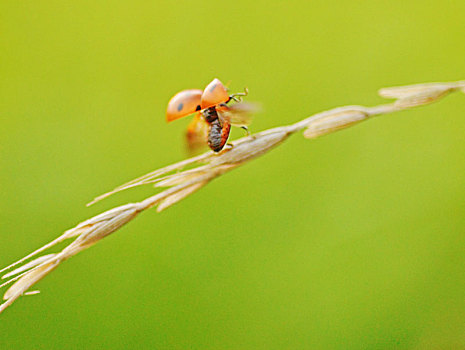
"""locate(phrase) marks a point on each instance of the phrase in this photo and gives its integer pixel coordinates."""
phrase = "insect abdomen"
(218, 135)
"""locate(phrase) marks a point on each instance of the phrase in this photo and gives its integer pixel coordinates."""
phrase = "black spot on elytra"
(198, 108)
(180, 107)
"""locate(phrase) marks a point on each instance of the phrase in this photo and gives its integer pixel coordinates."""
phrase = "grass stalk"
(206, 167)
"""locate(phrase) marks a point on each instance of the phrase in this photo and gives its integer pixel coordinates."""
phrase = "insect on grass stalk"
(206, 167)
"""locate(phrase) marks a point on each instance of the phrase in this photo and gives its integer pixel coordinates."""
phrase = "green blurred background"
(351, 241)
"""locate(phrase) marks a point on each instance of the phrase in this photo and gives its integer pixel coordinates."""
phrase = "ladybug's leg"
(246, 130)
(238, 96)
(227, 147)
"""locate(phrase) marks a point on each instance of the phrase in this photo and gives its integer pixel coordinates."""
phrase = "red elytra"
(214, 94)
(183, 103)
(213, 117)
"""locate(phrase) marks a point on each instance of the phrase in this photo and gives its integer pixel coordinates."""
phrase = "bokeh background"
(351, 241)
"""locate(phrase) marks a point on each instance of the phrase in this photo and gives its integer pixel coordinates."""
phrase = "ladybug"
(213, 115)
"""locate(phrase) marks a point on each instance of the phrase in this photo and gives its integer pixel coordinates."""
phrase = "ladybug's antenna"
(238, 96)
